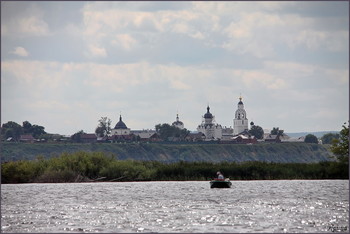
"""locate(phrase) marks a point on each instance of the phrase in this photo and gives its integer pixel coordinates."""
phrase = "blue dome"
(208, 115)
(120, 124)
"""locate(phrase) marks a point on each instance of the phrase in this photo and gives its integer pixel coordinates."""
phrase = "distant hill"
(317, 134)
(279, 153)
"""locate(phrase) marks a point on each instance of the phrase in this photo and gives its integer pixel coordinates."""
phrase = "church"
(120, 128)
(209, 127)
(214, 131)
(240, 123)
(178, 123)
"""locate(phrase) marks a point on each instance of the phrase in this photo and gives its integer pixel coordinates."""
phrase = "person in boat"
(220, 175)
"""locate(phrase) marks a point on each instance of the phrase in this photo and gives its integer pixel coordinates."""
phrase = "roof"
(208, 115)
(240, 136)
(26, 138)
(88, 136)
(144, 134)
(120, 124)
(178, 123)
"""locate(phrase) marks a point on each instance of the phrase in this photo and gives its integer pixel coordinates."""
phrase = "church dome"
(208, 115)
(240, 101)
(177, 122)
(120, 124)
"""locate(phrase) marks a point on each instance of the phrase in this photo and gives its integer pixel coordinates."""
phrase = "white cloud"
(283, 57)
(124, 41)
(30, 26)
(313, 40)
(262, 80)
(20, 51)
(33, 26)
(96, 51)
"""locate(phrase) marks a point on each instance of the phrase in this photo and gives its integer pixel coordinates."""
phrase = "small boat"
(220, 183)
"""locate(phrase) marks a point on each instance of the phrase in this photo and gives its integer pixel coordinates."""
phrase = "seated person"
(220, 176)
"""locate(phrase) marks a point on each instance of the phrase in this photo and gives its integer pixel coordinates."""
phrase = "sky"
(64, 65)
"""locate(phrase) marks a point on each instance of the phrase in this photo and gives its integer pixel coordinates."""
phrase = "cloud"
(23, 19)
(20, 51)
(33, 26)
(96, 51)
(148, 59)
(314, 40)
(125, 41)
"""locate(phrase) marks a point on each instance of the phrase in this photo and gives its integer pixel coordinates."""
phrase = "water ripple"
(250, 206)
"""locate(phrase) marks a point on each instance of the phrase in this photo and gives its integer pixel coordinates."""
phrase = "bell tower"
(240, 122)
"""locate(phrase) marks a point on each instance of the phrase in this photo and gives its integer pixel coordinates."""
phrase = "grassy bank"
(99, 166)
(169, 153)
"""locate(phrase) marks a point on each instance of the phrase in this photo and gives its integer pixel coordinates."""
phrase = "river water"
(249, 206)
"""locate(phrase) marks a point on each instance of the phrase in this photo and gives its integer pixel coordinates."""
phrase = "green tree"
(11, 129)
(328, 138)
(309, 138)
(257, 131)
(76, 137)
(104, 127)
(27, 127)
(37, 131)
(167, 131)
(340, 147)
(276, 131)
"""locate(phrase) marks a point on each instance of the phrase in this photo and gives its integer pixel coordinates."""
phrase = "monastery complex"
(208, 130)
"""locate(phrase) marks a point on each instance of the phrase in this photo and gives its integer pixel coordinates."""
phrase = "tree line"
(95, 166)
(14, 130)
(165, 131)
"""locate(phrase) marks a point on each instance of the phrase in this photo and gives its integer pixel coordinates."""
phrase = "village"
(207, 132)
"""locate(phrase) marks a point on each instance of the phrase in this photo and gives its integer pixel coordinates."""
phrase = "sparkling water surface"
(249, 206)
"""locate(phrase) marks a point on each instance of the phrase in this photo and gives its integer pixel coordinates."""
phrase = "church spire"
(240, 100)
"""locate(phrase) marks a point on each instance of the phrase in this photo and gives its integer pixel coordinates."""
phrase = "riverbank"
(169, 153)
(98, 166)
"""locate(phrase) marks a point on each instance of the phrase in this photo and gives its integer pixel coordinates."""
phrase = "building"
(88, 138)
(178, 123)
(244, 139)
(227, 134)
(240, 123)
(120, 128)
(26, 138)
(146, 135)
(209, 128)
(195, 137)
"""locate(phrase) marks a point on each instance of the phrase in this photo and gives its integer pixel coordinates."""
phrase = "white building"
(120, 128)
(227, 134)
(240, 123)
(144, 134)
(209, 128)
(178, 123)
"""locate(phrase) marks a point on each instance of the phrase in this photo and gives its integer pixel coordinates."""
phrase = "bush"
(87, 166)
(309, 138)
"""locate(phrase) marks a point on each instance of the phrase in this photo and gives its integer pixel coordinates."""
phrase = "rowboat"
(220, 183)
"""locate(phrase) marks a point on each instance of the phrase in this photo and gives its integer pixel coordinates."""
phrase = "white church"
(209, 127)
(240, 123)
(214, 131)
